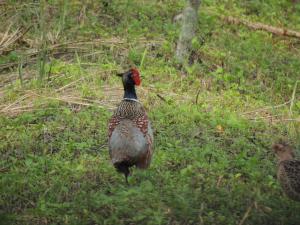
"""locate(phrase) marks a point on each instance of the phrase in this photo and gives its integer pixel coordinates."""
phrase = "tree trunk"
(188, 31)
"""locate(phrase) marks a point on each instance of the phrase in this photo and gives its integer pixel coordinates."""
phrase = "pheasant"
(288, 173)
(129, 131)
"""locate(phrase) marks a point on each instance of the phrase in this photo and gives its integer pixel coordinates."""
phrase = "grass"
(213, 126)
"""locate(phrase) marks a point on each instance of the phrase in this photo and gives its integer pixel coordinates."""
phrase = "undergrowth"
(214, 122)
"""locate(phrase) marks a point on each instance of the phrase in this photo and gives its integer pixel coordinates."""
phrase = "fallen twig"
(8, 40)
(16, 102)
(246, 215)
(70, 101)
(267, 117)
(293, 98)
(4, 170)
(220, 178)
(277, 120)
(266, 108)
(161, 97)
(5, 35)
(69, 84)
(197, 96)
(264, 27)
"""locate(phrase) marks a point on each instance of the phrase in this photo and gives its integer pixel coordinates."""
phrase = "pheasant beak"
(122, 74)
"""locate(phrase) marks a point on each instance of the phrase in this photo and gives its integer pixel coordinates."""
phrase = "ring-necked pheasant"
(130, 134)
(288, 173)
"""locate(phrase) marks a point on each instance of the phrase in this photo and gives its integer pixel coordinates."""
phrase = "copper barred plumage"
(129, 110)
(288, 172)
(129, 131)
(289, 178)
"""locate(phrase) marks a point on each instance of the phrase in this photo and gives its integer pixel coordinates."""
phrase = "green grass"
(212, 160)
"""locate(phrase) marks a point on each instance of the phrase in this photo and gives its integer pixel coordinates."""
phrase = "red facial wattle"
(136, 76)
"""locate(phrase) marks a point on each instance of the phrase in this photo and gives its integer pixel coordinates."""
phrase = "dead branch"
(293, 97)
(264, 27)
(197, 96)
(4, 170)
(161, 97)
(246, 215)
(16, 102)
(8, 40)
(266, 108)
(219, 181)
(278, 120)
(69, 84)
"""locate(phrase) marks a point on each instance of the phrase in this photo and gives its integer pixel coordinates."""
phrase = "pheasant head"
(130, 79)
(283, 151)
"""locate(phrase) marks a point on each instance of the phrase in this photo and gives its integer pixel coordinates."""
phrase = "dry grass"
(68, 48)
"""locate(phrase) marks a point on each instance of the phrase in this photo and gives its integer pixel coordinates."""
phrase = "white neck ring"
(130, 99)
